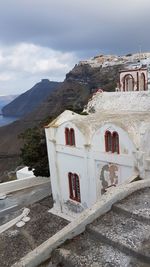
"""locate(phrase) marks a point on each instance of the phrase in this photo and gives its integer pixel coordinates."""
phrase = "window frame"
(67, 134)
(112, 142)
(108, 146)
(74, 187)
(70, 137)
(115, 142)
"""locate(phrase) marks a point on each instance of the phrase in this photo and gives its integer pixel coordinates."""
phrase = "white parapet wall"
(24, 173)
(16, 185)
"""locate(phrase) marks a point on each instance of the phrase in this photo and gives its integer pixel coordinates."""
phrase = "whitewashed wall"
(125, 143)
(64, 159)
(120, 101)
(87, 161)
(24, 173)
(60, 135)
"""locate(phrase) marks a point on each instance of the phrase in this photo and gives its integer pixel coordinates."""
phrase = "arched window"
(70, 185)
(142, 82)
(67, 136)
(74, 187)
(111, 142)
(108, 141)
(115, 142)
(128, 83)
(72, 137)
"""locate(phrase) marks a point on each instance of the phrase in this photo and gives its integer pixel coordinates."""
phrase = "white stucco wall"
(87, 161)
(24, 173)
(75, 164)
(123, 163)
(145, 140)
(126, 146)
(60, 135)
(64, 159)
(120, 101)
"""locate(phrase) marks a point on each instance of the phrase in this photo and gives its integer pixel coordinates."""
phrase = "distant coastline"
(6, 120)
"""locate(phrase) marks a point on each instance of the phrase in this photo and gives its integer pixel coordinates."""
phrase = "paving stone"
(13, 246)
(123, 232)
(17, 242)
(137, 204)
(43, 227)
(118, 239)
(85, 251)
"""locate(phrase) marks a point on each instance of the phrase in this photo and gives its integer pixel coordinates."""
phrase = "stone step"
(136, 205)
(124, 233)
(86, 251)
(139, 215)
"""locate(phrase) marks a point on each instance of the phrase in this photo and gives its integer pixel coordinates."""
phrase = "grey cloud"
(81, 25)
(83, 28)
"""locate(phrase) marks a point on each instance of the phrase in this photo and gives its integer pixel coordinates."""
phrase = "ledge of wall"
(16, 185)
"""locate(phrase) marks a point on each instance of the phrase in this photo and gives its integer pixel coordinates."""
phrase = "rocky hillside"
(28, 101)
(80, 83)
(73, 93)
(95, 77)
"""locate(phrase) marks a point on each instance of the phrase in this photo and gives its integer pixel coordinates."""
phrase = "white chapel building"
(90, 153)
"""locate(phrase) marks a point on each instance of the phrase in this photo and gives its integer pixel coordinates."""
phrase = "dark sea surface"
(6, 120)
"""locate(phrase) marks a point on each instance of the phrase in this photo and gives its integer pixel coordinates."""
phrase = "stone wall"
(120, 101)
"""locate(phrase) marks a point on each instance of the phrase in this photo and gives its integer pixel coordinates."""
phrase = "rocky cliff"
(80, 83)
(73, 93)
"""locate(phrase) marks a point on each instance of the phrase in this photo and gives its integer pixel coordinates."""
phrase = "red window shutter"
(74, 187)
(70, 185)
(115, 142)
(108, 141)
(67, 136)
(72, 137)
(77, 188)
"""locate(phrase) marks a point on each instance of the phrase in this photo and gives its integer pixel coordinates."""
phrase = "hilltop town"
(111, 60)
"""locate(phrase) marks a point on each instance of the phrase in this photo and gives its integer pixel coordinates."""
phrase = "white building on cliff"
(88, 154)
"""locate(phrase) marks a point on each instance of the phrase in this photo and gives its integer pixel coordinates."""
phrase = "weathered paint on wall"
(120, 101)
(108, 176)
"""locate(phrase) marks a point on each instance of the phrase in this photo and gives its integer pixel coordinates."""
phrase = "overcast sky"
(46, 38)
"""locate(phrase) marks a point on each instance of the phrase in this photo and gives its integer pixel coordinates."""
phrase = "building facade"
(89, 154)
(134, 80)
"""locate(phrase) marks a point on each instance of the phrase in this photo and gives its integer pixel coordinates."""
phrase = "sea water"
(6, 120)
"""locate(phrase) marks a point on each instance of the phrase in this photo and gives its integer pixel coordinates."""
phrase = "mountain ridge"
(28, 101)
(80, 83)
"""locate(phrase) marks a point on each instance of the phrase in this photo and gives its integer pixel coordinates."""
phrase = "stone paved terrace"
(17, 242)
(120, 238)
